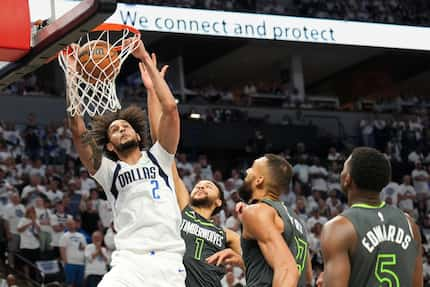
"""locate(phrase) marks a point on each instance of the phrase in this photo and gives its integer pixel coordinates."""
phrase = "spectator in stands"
(301, 171)
(43, 215)
(236, 178)
(333, 155)
(318, 175)
(333, 203)
(206, 168)
(58, 221)
(389, 194)
(13, 214)
(87, 183)
(96, 260)
(34, 189)
(29, 229)
(420, 178)
(182, 163)
(315, 218)
(90, 216)
(72, 247)
(53, 190)
(105, 213)
(11, 281)
(406, 195)
(367, 133)
(415, 156)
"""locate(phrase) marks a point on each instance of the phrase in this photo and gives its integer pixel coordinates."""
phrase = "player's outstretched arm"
(182, 194)
(168, 128)
(337, 236)
(85, 145)
(153, 104)
(259, 223)
(154, 115)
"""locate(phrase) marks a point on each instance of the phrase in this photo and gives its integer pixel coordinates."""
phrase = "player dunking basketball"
(139, 186)
(371, 243)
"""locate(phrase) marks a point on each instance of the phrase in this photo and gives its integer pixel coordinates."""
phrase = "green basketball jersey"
(386, 251)
(258, 272)
(202, 239)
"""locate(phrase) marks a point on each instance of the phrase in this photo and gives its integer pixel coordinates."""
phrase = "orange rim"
(115, 27)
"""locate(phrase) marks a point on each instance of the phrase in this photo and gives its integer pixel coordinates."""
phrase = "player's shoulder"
(257, 212)
(338, 230)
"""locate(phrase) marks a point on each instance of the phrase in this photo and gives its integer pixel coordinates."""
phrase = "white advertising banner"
(270, 27)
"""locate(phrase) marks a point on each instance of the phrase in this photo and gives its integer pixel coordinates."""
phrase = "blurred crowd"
(52, 210)
(382, 11)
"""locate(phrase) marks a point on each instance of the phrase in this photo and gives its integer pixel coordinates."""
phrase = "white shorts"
(144, 270)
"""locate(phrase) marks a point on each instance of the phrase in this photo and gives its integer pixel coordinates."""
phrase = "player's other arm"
(418, 275)
(259, 223)
(182, 194)
(337, 236)
(85, 145)
(168, 128)
(154, 113)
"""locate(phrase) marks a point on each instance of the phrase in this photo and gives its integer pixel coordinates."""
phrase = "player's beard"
(127, 146)
(245, 191)
(201, 202)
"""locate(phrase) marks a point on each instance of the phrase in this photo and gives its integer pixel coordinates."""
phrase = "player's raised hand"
(146, 79)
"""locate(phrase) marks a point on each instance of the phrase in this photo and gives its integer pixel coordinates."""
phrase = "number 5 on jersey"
(155, 188)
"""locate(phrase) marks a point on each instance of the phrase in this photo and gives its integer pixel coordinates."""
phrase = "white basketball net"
(95, 93)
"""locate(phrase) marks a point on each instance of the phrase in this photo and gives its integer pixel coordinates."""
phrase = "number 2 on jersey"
(155, 188)
(384, 274)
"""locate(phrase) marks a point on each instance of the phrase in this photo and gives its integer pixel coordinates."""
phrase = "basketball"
(98, 61)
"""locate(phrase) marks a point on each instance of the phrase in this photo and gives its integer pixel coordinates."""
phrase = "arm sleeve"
(105, 173)
(164, 158)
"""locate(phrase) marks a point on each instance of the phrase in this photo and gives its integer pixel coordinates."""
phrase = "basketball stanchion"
(91, 66)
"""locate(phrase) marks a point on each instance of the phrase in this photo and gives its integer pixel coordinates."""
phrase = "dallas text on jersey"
(140, 173)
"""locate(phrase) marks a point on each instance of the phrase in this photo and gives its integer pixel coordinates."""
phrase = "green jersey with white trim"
(202, 239)
(386, 250)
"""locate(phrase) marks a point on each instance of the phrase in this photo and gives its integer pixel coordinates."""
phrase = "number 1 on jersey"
(155, 188)
(199, 248)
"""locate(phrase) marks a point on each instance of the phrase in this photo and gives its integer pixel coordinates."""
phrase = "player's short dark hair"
(220, 196)
(369, 169)
(280, 171)
(134, 115)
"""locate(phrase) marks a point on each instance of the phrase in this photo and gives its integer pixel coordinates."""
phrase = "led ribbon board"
(270, 27)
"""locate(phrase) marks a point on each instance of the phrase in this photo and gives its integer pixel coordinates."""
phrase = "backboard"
(60, 22)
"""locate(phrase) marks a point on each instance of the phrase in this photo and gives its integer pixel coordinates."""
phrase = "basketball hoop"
(92, 65)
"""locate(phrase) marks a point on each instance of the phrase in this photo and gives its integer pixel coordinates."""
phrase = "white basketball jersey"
(146, 214)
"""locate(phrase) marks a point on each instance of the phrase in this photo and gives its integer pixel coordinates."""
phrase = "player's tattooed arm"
(96, 156)
(89, 153)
